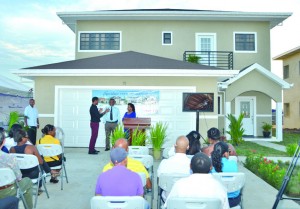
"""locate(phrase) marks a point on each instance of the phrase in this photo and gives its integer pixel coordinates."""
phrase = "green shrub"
(158, 134)
(291, 149)
(236, 130)
(193, 58)
(138, 137)
(118, 133)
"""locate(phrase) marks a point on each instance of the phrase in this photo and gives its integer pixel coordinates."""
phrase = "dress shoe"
(106, 149)
(96, 151)
(93, 153)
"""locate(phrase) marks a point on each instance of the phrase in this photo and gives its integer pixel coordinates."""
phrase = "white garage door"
(72, 105)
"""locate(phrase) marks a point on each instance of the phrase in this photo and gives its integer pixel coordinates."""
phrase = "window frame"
(85, 50)
(286, 109)
(162, 38)
(286, 68)
(255, 42)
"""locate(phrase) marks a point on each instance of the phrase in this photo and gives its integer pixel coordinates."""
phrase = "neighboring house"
(291, 98)
(132, 50)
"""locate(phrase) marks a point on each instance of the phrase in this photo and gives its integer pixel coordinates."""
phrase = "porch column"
(279, 121)
(227, 111)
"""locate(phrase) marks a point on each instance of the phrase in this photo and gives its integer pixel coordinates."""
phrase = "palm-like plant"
(118, 133)
(138, 137)
(158, 134)
(236, 128)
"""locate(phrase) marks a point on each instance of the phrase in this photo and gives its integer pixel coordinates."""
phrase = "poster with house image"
(146, 101)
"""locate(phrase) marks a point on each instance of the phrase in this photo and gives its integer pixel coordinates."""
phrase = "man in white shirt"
(178, 163)
(111, 121)
(200, 184)
(31, 119)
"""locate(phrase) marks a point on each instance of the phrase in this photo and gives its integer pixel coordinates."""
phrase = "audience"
(10, 142)
(200, 183)
(194, 143)
(21, 138)
(4, 148)
(119, 181)
(213, 136)
(132, 164)
(9, 161)
(220, 162)
(49, 132)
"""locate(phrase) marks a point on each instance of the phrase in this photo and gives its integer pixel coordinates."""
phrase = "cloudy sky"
(32, 34)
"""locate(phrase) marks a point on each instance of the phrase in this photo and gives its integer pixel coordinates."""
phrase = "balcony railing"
(219, 59)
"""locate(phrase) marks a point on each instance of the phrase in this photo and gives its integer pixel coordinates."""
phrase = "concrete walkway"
(270, 145)
(83, 170)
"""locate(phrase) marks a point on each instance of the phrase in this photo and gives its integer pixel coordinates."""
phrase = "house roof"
(125, 64)
(125, 60)
(287, 53)
(260, 69)
(71, 18)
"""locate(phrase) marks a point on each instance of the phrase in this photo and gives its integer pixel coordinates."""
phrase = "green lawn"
(289, 137)
(250, 147)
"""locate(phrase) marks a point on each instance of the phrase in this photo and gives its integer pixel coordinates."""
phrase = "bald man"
(179, 163)
(132, 164)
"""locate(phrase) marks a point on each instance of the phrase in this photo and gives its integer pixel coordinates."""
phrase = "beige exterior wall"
(292, 96)
(146, 37)
(45, 90)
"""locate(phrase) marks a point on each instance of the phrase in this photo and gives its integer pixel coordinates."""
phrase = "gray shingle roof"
(125, 60)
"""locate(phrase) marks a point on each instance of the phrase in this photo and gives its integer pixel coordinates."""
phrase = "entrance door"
(205, 45)
(245, 105)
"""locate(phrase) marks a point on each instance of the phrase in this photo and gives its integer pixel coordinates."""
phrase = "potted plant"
(138, 137)
(158, 134)
(266, 129)
(193, 58)
(236, 130)
(118, 133)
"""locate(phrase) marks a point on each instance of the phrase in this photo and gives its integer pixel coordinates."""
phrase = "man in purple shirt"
(119, 181)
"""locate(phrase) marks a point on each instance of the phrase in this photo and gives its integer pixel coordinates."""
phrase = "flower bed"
(273, 173)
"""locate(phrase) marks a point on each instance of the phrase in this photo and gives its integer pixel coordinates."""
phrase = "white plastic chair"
(233, 182)
(193, 203)
(138, 150)
(27, 161)
(7, 176)
(60, 135)
(166, 182)
(119, 202)
(52, 150)
(233, 158)
(143, 177)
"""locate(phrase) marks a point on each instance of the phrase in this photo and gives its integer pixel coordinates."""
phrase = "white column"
(279, 121)
(227, 111)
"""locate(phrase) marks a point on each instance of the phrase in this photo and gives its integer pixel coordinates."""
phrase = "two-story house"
(291, 98)
(147, 50)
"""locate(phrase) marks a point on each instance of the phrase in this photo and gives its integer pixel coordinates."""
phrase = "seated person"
(213, 136)
(49, 132)
(200, 183)
(21, 138)
(9, 161)
(119, 181)
(4, 148)
(220, 162)
(10, 202)
(194, 143)
(10, 142)
(179, 163)
(132, 164)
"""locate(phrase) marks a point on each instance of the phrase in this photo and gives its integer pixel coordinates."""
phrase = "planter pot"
(156, 154)
(266, 134)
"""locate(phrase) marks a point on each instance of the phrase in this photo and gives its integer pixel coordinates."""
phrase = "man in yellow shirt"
(132, 164)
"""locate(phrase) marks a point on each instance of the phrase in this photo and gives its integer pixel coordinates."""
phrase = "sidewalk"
(83, 170)
(270, 145)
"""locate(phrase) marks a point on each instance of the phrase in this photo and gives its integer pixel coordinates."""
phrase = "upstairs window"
(167, 38)
(245, 42)
(99, 41)
(286, 72)
(286, 109)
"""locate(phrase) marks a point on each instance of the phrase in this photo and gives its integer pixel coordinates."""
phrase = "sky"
(32, 34)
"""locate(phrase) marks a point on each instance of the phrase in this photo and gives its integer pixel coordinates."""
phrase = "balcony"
(219, 59)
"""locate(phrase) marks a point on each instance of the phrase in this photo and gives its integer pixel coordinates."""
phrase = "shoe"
(54, 181)
(106, 149)
(93, 153)
(40, 191)
(96, 151)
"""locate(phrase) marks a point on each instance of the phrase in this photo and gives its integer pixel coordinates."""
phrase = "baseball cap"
(117, 155)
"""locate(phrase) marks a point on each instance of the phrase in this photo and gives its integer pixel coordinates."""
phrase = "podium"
(133, 123)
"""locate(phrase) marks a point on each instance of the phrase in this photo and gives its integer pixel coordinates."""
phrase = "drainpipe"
(227, 109)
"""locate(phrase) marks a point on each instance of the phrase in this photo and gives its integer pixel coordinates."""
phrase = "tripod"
(287, 177)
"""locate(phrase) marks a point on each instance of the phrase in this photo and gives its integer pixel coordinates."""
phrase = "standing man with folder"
(111, 121)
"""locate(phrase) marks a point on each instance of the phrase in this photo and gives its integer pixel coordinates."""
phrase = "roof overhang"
(71, 18)
(260, 69)
(287, 54)
(32, 73)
